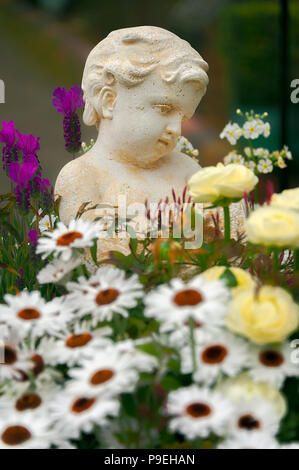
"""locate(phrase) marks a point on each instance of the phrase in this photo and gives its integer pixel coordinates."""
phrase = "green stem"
(226, 223)
(296, 260)
(192, 343)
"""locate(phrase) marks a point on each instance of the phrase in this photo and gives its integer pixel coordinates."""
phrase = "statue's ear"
(107, 99)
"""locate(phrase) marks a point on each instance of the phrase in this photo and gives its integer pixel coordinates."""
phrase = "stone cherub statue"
(139, 85)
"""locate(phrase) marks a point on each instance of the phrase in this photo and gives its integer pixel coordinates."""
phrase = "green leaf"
(128, 404)
(170, 383)
(229, 278)
(149, 348)
(93, 251)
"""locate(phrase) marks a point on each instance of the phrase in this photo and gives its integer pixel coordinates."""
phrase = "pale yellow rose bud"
(266, 316)
(214, 182)
(273, 226)
(288, 199)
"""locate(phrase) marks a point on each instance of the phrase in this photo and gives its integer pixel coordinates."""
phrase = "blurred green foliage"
(249, 40)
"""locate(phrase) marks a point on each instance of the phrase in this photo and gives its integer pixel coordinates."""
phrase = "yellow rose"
(243, 278)
(268, 316)
(243, 387)
(288, 199)
(214, 182)
(274, 226)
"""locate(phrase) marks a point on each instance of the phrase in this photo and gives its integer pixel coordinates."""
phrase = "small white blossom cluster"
(259, 160)
(184, 146)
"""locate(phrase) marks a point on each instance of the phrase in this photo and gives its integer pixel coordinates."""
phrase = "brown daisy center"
(77, 341)
(82, 404)
(38, 367)
(10, 355)
(39, 364)
(198, 410)
(187, 297)
(271, 358)
(15, 435)
(67, 238)
(248, 422)
(107, 296)
(101, 376)
(28, 401)
(29, 314)
(214, 354)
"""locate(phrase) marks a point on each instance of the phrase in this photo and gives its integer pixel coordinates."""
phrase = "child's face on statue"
(147, 118)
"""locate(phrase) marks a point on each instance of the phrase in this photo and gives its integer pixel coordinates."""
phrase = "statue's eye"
(164, 108)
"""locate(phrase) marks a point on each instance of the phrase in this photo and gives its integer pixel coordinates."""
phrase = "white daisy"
(248, 440)
(29, 313)
(232, 132)
(34, 401)
(57, 271)
(252, 129)
(107, 292)
(15, 358)
(73, 413)
(265, 166)
(254, 416)
(109, 372)
(74, 347)
(62, 240)
(173, 305)
(239, 159)
(46, 222)
(20, 431)
(224, 353)
(272, 364)
(197, 411)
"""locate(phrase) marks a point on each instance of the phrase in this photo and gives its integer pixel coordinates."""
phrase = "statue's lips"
(165, 141)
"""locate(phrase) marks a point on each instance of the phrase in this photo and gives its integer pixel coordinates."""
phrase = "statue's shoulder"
(74, 172)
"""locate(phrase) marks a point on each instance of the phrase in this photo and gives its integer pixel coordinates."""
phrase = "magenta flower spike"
(68, 103)
(8, 137)
(28, 144)
(22, 175)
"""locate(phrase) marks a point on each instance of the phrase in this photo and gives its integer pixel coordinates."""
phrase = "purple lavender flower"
(67, 103)
(28, 144)
(33, 236)
(8, 137)
(21, 175)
